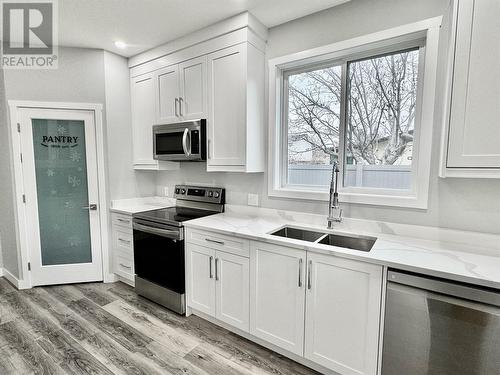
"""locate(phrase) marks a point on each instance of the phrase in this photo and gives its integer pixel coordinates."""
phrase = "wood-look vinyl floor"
(108, 329)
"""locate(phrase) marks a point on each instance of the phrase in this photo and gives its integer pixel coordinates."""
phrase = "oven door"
(178, 142)
(159, 254)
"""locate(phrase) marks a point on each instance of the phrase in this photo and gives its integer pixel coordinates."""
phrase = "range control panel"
(200, 194)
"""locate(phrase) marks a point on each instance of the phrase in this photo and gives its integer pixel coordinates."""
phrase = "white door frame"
(24, 281)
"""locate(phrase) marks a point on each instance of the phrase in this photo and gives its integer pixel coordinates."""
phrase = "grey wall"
(8, 239)
(86, 76)
(463, 204)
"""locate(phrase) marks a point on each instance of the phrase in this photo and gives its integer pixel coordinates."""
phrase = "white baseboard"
(19, 284)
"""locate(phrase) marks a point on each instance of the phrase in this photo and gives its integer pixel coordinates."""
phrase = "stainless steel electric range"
(159, 244)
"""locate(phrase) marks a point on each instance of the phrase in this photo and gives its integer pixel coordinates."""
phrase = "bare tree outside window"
(381, 97)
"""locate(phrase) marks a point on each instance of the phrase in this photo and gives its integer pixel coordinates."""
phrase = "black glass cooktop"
(173, 215)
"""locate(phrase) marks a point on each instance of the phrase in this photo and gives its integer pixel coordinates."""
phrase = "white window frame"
(423, 33)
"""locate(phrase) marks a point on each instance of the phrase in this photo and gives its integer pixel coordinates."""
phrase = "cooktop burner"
(174, 215)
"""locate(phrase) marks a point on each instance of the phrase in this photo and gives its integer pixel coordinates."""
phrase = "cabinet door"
(142, 95)
(227, 106)
(277, 295)
(232, 290)
(167, 89)
(201, 278)
(193, 89)
(474, 135)
(343, 304)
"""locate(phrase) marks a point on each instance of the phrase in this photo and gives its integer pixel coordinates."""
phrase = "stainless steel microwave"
(180, 141)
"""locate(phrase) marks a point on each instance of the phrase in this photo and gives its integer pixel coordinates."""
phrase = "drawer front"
(229, 244)
(124, 266)
(123, 240)
(124, 221)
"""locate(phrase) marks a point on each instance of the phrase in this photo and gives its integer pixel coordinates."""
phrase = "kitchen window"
(362, 107)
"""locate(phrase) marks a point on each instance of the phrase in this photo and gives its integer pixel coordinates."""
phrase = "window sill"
(406, 201)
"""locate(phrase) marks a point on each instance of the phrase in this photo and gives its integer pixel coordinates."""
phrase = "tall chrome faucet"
(334, 210)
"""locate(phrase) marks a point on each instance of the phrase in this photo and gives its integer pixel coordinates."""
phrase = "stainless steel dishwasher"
(437, 327)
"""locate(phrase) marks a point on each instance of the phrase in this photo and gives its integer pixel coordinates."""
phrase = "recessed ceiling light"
(120, 44)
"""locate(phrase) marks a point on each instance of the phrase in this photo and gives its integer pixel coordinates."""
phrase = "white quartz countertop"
(457, 255)
(134, 205)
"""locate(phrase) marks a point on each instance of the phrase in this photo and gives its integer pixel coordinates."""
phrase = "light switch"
(253, 199)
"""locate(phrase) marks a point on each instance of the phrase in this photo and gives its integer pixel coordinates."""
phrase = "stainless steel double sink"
(349, 241)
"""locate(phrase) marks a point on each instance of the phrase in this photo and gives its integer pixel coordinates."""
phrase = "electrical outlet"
(253, 199)
(165, 191)
(162, 191)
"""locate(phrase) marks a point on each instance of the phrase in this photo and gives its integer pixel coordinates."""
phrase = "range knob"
(216, 194)
(210, 194)
(177, 190)
(183, 191)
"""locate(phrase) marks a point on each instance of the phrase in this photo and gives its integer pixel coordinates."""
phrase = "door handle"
(309, 276)
(185, 147)
(90, 207)
(300, 272)
(210, 267)
(216, 269)
(180, 106)
(176, 100)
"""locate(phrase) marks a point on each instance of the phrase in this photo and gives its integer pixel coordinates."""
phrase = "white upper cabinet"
(343, 304)
(217, 74)
(143, 109)
(472, 139)
(277, 295)
(193, 89)
(236, 109)
(167, 94)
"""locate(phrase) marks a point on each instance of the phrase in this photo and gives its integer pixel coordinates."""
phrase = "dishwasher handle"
(456, 289)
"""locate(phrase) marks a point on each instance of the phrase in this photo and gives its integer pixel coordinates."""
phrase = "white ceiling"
(144, 24)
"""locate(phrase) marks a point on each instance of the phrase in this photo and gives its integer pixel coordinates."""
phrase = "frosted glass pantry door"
(61, 195)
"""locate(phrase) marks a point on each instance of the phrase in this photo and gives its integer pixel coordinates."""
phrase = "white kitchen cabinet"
(193, 89)
(471, 146)
(232, 290)
(123, 247)
(201, 278)
(167, 94)
(181, 91)
(143, 109)
(218, 284)
(236, 109)
(343, 304)
(277, 295)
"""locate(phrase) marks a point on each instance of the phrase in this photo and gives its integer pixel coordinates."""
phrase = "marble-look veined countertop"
(134, 205)
(469, 257)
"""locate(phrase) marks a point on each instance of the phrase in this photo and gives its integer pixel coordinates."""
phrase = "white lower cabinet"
(218, 285)
(343, 302)
(320, 307)
(277, 295)
(123, 247)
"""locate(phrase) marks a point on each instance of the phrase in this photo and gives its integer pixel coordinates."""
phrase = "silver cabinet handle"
(210, 267)
(185, 147)
(90, 207)
(214, 241)
(309, 276)
(216, 269)
(176, 100)
(124, 266)
(208, 148)
(123, 220)
(300, 273)
(180, 106)
(124, 241)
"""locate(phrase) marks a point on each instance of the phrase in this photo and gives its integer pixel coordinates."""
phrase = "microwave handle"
(185, 147)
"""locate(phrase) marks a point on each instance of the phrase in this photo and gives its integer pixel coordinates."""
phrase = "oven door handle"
(174, 234)
(185, 147)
